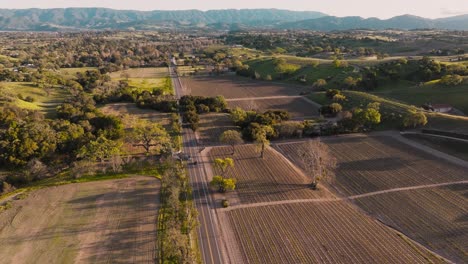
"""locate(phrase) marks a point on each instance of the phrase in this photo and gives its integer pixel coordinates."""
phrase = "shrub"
(225, 203)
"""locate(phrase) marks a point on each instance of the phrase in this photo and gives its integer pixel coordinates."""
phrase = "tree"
(320, 83)
(261, 135)
(100, 149)
(414, 119)
(232, 138)
(224, 164)
(451, 80)
(238, 115)
(223, 184)
(149, 135)
(317, 160)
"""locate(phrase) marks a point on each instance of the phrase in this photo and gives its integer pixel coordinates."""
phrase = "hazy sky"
(364, 8)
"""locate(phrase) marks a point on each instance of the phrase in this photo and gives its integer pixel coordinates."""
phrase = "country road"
(208, 235)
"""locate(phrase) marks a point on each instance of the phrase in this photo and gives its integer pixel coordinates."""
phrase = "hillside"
(406, 22)
(103, 18)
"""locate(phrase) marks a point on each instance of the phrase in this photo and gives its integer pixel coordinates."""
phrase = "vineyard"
(236, 87)
(264, 180)
(368, 164)
(212, 125)
(435, 217)
(330, 232)
(296, 106)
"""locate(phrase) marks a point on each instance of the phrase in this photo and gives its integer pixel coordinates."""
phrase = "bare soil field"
(212, 125)
(96, 222)
(237, 87)
(266, 180)
(296, 106)
(435, 217)
(329, 232)
(373, 163)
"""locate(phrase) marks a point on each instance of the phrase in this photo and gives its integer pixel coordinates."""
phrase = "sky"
(365, 8)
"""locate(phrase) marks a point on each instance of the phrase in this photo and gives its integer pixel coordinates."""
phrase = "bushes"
(451, 80)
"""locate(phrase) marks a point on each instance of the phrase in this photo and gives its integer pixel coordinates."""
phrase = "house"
(442, 108)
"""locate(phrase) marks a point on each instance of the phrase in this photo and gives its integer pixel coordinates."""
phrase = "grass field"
(323, 232)
(237, 87)
(435, 93)
(41, 100)
(296, 106)
(146, 78)
(212, 125)
(98, 222)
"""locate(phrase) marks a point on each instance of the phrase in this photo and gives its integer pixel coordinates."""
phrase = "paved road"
(208, 236)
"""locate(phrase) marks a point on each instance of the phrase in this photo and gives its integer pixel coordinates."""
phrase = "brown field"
(128, 111)
(129, 114)
(328, 232)
(152, 73)
(375, 163)
(296, 106)
(435, 217)
(432, 216)
(96, 222)
(236, 87)
(212, 125)
(265, 180)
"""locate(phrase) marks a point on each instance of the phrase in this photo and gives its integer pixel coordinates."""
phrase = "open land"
(96, 222)
(212, 125)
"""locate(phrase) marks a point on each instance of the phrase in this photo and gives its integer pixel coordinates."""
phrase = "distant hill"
(60, 19)
(103, 18)
(407, 22)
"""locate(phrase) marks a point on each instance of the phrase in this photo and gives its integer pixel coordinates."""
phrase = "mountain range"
(70, 19)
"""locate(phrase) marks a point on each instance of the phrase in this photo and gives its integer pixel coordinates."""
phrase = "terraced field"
(96, 222)
(236, 87)
(330, 232)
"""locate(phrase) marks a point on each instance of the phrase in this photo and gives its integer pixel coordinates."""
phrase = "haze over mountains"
(103, 18)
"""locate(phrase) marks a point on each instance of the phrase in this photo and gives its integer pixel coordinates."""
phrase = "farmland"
(145, 78)
(107, 221)
(212, 125)
(397, 184)
(369, 164)
(269, 179)
(296, 106)
(327, 232)
(236, 87)
(434, 217)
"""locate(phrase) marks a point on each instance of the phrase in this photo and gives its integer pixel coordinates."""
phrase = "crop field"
(434, 217)
(269, 179)
(455, 148)
(296, 106)
(375, 163)
(322, 232)
(212, 125)
(237, 87)
(98, 222)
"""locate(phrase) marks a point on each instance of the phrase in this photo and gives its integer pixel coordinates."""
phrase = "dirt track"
(97, 222)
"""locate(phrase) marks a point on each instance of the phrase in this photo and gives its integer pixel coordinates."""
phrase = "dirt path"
(353, 197)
